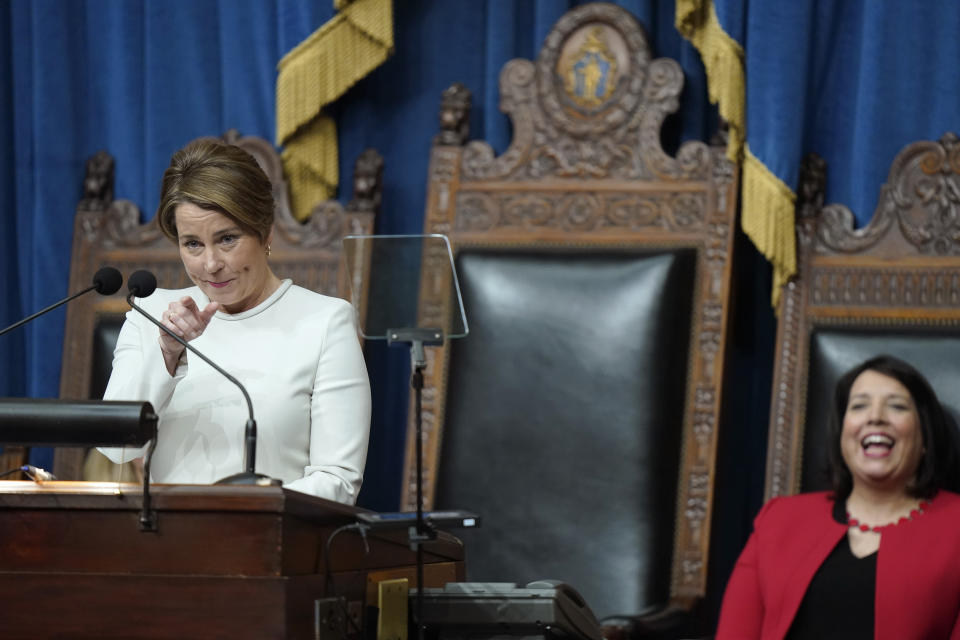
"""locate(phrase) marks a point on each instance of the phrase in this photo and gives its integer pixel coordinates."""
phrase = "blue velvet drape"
(853, 80)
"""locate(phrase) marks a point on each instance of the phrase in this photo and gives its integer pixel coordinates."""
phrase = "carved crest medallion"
(590, 75)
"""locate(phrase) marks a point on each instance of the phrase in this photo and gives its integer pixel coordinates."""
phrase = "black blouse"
(839, 602)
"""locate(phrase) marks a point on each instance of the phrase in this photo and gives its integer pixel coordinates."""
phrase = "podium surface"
(225, 561)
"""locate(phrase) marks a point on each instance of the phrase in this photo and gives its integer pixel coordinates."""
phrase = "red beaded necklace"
(914, 514)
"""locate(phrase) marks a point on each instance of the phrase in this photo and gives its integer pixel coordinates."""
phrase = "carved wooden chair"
(109, 232)
(579, 417)
(890, 287)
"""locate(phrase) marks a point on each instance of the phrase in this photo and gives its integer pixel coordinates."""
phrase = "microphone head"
(142, 283)
(107, 281)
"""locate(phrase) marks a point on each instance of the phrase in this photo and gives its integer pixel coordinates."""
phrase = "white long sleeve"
(298, 355)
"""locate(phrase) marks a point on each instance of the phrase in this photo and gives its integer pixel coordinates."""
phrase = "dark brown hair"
(939, 461)
(217, 176)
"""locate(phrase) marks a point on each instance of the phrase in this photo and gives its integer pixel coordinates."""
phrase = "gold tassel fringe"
(723, 60)
(315, 73)
(767, 207)
(768, 219)
(310, 164)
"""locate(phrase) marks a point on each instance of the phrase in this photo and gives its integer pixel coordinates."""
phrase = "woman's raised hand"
(186, 320)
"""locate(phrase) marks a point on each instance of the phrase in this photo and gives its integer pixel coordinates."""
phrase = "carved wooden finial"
(231, 136)
(813, 186)
(367, 182)
(721, 136)
(945, 160)
(454, 116)
(98, 183)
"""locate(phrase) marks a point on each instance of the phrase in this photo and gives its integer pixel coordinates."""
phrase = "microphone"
(37, 474)
(142, 284)
(106, 281)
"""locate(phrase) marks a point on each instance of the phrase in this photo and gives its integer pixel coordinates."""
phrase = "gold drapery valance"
(312, 75)
(767, 203)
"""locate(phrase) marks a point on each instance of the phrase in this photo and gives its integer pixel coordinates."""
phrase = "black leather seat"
(566, 400)
(106, 332)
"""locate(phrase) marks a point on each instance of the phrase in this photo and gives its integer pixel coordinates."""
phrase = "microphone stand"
(148, 517)
(106, 281)
(50, 308)
(248, 475)
(421, 532)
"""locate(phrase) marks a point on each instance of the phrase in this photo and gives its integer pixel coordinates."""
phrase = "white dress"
(298, 355)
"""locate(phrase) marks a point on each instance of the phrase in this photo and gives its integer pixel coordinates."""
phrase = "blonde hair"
(217, 176)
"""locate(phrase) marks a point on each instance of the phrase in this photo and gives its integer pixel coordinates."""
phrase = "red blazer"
(918, 571)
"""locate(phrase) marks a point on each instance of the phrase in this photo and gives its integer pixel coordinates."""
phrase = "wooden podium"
(225, 561)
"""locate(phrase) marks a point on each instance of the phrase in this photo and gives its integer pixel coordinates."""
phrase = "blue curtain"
(853, 80)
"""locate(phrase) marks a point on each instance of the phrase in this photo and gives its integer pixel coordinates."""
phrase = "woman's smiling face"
(881, 440)
(228, 263)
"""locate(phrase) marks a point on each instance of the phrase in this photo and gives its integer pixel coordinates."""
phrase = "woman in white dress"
(296, 351)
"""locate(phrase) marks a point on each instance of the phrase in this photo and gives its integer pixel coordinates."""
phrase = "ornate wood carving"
(454, 116)
(367, 182)
(900, 270)
(482, 211)
(591, 106)
(919, 210)
(98, 184)
(586, 168)
(109, 232)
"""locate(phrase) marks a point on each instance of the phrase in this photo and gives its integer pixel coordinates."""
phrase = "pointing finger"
(208, 311)
(189, 303)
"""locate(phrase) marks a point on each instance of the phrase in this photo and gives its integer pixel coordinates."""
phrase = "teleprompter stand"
(391, 278)
(420, 532)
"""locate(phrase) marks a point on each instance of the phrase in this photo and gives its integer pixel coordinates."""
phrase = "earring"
(268, 250)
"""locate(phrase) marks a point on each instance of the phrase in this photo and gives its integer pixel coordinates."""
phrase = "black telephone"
(573, 606)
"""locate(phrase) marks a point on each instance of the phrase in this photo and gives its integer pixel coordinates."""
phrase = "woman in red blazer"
(879, 556)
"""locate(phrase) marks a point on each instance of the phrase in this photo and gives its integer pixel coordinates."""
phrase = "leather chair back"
(567, 399)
